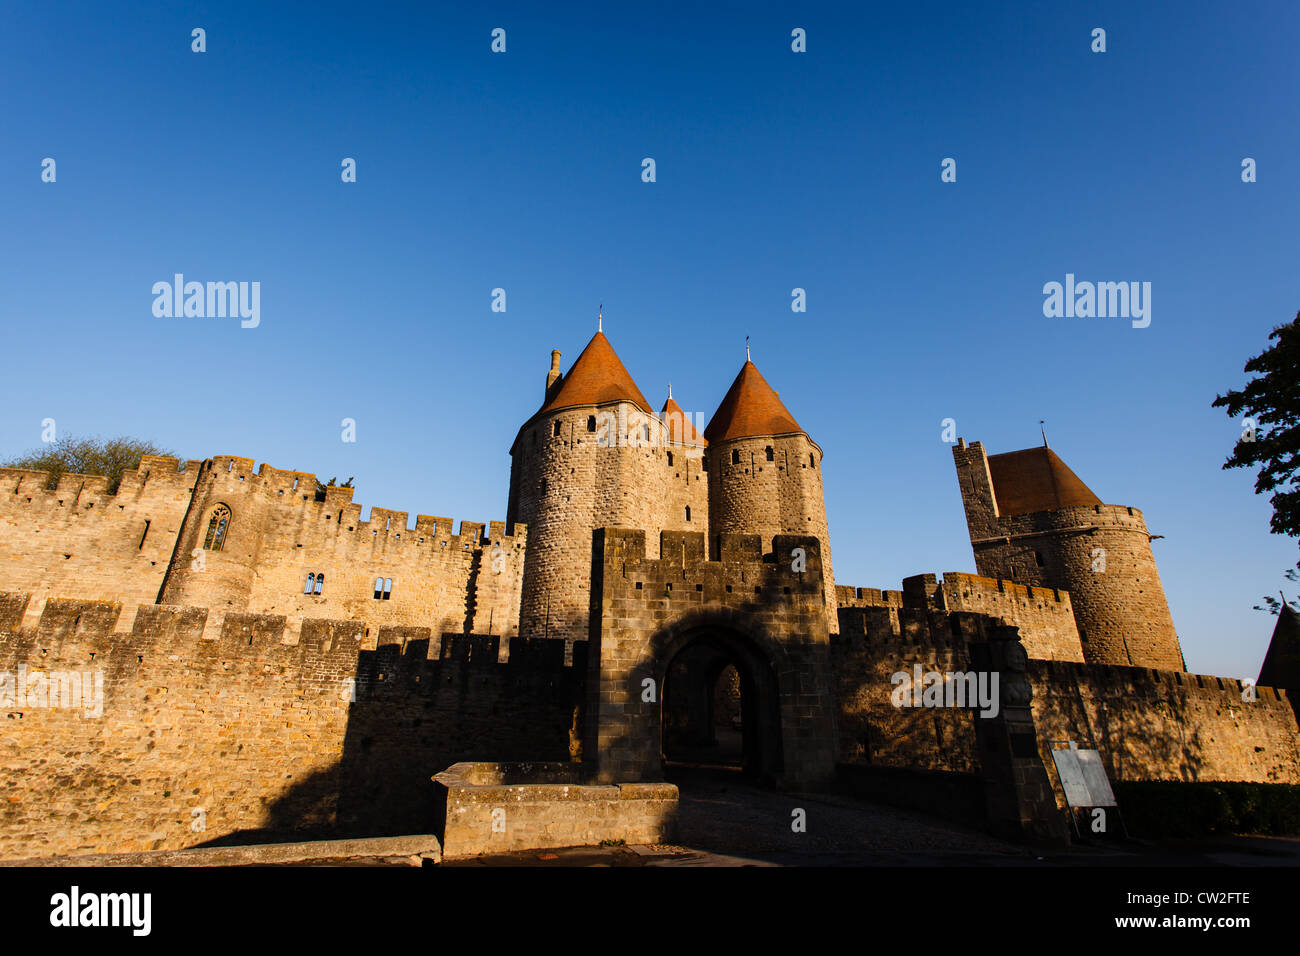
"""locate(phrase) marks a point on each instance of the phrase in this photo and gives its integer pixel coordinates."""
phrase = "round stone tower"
(593, 456)
(1034, 522)
(765, 473)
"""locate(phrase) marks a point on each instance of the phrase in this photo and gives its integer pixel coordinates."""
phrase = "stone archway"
(691, 666)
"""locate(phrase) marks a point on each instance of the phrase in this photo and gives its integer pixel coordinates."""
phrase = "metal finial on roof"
(1044, 431)
(670, 389)
(600, 318)
(746, 348)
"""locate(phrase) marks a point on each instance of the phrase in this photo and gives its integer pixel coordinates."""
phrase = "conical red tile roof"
(1035, 479)
(596, 377)
(751, 409)
(680, 429)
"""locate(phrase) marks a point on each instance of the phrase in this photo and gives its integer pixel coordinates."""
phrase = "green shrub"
(1169, 809)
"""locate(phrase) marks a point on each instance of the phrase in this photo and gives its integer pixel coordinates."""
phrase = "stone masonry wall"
(873, 644)
(564, 486)
(1044, 616)
(1166, 725)
(335, 735)
(279, 533)
(771, 618)
(78, 541)
(752, 494)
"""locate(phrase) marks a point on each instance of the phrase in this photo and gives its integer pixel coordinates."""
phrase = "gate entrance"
(720, 706)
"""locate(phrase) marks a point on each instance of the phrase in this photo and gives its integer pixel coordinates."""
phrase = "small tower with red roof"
(765, 473)
(1033, 521)
(596, 456)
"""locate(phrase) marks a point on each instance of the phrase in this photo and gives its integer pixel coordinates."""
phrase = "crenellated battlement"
(97, 631)
(287, 486)
(846, 596)
(40, 488)
(1114, 680)
(686, 549)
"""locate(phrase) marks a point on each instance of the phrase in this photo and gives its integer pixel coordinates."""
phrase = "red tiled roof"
(596, 377)
(750, 409)
(680, 429)
(1035, 479)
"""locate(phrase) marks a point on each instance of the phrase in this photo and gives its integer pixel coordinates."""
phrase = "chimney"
(553, 376)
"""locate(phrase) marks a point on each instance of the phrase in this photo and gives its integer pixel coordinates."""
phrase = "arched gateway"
(720, 704)
(665, 630)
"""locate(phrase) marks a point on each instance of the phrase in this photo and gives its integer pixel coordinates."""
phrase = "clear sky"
(775, 170)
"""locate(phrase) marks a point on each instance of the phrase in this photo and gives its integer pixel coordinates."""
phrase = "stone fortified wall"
(78, 541)
(228, 739)
(1148, 724)
(1044, 616)
(770, 617)
(144, 546)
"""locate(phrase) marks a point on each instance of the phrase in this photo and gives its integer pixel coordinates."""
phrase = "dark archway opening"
(720, 708)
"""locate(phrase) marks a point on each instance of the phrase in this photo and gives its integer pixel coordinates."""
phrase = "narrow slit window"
(145, 535)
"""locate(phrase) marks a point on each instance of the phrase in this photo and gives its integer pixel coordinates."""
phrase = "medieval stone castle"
(273, 664)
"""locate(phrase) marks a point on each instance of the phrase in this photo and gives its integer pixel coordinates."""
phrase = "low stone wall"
(501, 808)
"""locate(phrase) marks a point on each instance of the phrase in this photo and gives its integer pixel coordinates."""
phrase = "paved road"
(727, 822)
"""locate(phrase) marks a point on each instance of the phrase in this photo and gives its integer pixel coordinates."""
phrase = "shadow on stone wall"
(413, 717)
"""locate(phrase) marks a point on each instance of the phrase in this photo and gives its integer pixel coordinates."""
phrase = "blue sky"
(775, 170)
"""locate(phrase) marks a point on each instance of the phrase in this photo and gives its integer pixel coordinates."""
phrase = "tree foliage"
(333, 482)
(88, 456)
(1270, 441)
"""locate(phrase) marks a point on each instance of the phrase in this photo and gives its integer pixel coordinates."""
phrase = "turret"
(765, 473)
(1033, 521)
(593, 456)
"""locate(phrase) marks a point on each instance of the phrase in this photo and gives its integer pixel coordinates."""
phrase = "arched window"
(771, 456)
(379, 588)
(591, 423)
(735, 456)
(320, 583)
(218, 525)
(311, 583)
(388, 588)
